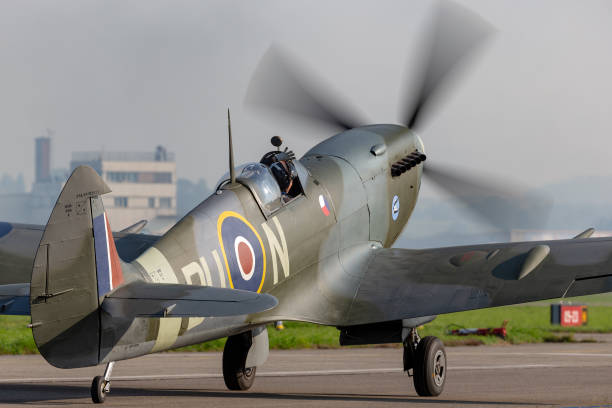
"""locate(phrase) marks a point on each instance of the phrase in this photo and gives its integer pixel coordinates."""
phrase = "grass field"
(15, 336)
(527, 324)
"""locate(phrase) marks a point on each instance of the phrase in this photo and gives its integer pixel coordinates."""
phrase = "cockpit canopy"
(258, 178)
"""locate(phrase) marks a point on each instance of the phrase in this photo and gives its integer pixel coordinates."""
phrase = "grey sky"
(128, 75)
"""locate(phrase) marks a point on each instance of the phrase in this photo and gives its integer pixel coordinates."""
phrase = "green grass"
(296, 335)
(527, 324)
(604, 299)
(15, 336)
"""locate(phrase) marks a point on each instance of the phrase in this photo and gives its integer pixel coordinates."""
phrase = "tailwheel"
(429, 370)
(237, 377)
(100, 386)
(98, 389)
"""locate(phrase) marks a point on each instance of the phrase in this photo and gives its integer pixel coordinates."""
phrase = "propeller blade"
(282, 84)
(455, 33)
(500, 205)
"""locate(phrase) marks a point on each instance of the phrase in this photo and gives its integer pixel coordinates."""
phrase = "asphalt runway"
(576, 374)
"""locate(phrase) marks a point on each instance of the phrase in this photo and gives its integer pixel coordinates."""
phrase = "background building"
(48, 182)
(143, 186)
(33, 207)
(43, 158)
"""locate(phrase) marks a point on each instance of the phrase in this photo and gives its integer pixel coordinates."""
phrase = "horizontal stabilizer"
(176, 300)
(132, 229)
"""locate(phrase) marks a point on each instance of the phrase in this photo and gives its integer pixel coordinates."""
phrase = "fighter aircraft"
(305, 239)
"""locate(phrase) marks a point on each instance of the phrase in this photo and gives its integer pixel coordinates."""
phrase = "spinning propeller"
(283, 85)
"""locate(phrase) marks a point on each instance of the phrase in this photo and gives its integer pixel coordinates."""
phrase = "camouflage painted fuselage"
(307, 253)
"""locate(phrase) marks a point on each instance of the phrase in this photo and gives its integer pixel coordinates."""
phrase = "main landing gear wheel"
(100, 386)
(429, 370)
(237, 377)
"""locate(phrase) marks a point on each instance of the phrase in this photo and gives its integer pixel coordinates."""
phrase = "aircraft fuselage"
(301, 252)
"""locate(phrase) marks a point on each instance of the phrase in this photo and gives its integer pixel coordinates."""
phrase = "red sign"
(572, 315)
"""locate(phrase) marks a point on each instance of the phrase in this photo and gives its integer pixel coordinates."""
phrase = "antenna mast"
(231, 149)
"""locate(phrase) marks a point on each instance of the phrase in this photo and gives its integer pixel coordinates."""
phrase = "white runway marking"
(276, 373)
(539, 354)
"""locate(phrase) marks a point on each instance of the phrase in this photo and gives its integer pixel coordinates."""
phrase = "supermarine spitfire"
(304, 239)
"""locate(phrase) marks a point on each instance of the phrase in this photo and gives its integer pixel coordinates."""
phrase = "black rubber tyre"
(430, 367)
(97, 389)
(237, 377)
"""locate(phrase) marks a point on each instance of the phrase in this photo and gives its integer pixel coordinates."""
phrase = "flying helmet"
(280, 164)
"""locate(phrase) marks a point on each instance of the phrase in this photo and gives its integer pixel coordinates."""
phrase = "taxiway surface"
(578, 374)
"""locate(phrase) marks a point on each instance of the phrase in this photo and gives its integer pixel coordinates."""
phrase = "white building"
(143, 186)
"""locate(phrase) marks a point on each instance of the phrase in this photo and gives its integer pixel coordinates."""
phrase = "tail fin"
(77, 266)
(73, 269)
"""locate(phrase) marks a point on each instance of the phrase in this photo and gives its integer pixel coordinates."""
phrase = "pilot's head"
(281, 166)
(284, 173)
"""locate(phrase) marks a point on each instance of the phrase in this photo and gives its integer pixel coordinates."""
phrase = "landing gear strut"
(100, 386)
(427, 359)
(237, 377)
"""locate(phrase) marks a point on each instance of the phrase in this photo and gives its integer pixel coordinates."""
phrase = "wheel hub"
(439, 367)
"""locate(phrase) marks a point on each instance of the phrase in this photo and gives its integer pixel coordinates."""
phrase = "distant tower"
(161, 154)
(43, 158)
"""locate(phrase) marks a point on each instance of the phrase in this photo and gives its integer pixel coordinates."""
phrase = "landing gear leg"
(410, 348)
(100, 386)
(237, 377)
(427, 359)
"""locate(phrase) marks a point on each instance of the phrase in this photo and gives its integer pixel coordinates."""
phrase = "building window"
(151, 202)
(121, 202)
(139, 177)
(165, 202)
(122, 176)
(163, 177)
(155, 177)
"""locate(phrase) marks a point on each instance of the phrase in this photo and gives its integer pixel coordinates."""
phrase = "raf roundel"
(243, 251)
(395, 208)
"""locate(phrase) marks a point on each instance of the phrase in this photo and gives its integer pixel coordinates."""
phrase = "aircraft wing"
(403, 283)
(18, 245)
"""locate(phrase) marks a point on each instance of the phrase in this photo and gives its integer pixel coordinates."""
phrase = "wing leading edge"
(403, 283)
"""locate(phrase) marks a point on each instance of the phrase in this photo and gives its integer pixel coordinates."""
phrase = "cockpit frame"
(264, 187)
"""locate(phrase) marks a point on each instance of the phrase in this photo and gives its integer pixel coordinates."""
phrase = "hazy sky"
(128, 75)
